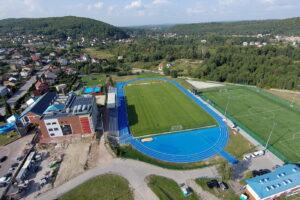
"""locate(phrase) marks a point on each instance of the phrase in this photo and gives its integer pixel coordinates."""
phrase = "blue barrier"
(126, 136)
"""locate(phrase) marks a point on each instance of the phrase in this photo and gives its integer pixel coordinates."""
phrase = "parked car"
(264, 171)
(260, 172)
(11, 169)
(8, 175)
(15, 165)
(4, 179)
(19, 158)
(3, 158)
(3, 184)
(186, 191)
(258, 153)
(212, 184)
(223, 185)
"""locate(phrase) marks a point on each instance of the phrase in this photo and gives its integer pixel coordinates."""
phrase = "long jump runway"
(182, 147)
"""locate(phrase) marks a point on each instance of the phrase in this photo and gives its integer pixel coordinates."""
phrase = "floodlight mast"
(228, 97)
(274, 123)
(294, 97)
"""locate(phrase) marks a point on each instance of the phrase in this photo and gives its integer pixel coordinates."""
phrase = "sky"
(145, 12)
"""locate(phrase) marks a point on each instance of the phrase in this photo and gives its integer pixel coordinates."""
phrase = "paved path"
(135, 172)
(24, 89)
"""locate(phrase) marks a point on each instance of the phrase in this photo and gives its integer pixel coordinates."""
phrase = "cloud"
(196, 10)
(97, 5)
(159, 2)
(226, 2)
(134, 4)
(32, 5)
(268, 1)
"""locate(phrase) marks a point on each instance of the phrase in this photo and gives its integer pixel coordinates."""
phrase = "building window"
(56, 129)
(50, 129)
(53, 123)
(48, 123)
(66, 129)
(52, 134)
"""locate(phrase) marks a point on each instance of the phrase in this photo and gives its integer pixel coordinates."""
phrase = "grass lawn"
(8, 137)
(108, 187)
(156, 108)
(238, 146)
(218, 192)
(167, 189)
(127, 151)
(94, 53)
(93, 80)
(258, 111)
(290, 97)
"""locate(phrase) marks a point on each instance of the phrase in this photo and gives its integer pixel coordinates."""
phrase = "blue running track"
(194, 146)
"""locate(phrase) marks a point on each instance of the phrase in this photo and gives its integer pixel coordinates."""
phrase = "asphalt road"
(135, 172)
(24, 89)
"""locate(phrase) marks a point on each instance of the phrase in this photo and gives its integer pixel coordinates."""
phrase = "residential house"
(25, 73)
(283, 182)
(15, 66)
(3, 91)
(41, 87)
(50, 77)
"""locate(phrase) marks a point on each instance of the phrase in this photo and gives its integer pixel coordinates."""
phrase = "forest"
(289, 26)
(62, 27)
(223, 59)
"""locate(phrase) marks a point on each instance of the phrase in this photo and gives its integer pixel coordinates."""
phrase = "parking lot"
(13, 151)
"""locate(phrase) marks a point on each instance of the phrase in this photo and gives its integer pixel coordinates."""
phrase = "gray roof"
(76, 105)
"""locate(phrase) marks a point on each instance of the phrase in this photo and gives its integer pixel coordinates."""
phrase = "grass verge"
(218, 192)
(8, 137)
(238, 146)
(108, 187)
(167, 189)
(126, 151)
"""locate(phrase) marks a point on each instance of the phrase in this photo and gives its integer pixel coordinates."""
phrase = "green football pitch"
(260, 112)
(161, 107)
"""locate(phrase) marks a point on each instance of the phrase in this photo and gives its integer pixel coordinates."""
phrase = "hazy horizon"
(153, 12)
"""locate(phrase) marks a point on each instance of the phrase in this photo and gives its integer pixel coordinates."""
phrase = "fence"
(251, 133)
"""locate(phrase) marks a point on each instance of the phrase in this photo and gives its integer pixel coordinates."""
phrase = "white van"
(258, 153)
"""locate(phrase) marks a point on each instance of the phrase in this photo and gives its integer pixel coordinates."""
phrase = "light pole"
(274, 123)
(294, 97)
(228, 97)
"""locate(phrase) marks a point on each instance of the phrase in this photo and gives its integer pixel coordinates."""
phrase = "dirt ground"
(74, 162)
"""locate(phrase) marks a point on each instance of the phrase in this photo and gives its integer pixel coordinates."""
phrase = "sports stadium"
(163, 120)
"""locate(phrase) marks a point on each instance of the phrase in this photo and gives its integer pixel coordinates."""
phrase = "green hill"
(62, 27)
(289, 26)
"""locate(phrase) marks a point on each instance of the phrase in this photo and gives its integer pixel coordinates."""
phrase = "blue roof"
(55, 107)
(282, 179)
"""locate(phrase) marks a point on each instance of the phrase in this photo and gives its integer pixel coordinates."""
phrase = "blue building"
(284, 181)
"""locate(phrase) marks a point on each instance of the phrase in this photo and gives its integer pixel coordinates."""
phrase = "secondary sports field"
(160, 106)
(261, 112)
